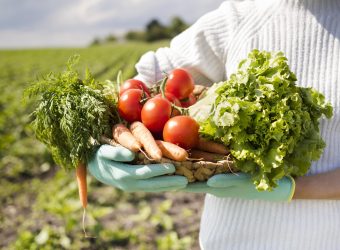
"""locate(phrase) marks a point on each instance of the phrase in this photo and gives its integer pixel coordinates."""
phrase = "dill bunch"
(71, 113)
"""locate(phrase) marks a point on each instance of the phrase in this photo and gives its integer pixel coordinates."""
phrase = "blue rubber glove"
(241, 186)
(109, 167)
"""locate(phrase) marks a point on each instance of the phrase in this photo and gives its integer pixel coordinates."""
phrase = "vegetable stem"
(119, 78)
(162, 86)
(183, 111)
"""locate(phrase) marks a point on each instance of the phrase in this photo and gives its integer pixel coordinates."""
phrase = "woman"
(308, 32)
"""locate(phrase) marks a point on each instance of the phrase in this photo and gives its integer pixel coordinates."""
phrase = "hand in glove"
(241, 186)
(109, 165)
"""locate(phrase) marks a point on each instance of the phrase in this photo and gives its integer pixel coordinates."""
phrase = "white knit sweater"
(308, 32)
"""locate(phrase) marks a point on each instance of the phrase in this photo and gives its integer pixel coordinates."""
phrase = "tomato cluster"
(160, 113)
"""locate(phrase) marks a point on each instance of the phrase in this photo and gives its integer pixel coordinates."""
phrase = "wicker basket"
(195, 170)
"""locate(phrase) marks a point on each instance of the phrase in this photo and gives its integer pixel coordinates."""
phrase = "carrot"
(205, 156)
(82, 183)
(124, 137)
(212, 147)
(172, 151)
(82, 188)
(144, 136)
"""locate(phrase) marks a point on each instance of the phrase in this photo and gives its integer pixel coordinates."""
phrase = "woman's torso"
(309, 36)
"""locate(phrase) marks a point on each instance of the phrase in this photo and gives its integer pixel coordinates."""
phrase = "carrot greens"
(71, 113)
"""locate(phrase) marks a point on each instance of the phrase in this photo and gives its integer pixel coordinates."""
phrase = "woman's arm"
(319, 186)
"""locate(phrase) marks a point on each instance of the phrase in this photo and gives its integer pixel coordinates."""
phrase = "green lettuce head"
(270, 125)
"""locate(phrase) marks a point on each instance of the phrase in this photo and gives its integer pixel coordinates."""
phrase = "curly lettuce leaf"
(270, 125)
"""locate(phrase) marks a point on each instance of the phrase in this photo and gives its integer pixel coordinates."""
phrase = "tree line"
(153, 31)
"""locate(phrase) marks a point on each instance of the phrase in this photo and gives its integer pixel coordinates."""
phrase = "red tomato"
(155, 113)
(188, 101)
(133, 84)
(130, 106)
(173, 100)
(179, 83)
(182, 131)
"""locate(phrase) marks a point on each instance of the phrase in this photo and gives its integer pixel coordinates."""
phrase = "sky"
(69, 23)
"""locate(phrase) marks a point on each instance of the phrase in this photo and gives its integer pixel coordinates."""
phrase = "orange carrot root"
(144, 136)
(206, 156)
(82, 183)
(82, 188)
(124, 137)
(212, 147)
(172, 151)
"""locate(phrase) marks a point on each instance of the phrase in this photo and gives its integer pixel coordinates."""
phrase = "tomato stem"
(162, 87)
(183, 111)
(142, 101)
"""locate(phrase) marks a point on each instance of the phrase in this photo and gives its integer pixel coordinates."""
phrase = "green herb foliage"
(270, 124)
(72, 113)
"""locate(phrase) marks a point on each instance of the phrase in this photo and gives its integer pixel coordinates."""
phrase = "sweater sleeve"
(200, 49)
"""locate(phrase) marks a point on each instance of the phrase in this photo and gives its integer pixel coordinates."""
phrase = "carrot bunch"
(138, 137)
(197, 164)
(70, 116)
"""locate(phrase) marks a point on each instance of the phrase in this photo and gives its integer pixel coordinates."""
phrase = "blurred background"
(39, 201)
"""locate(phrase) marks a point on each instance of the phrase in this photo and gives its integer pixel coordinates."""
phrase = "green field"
(39, 201)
